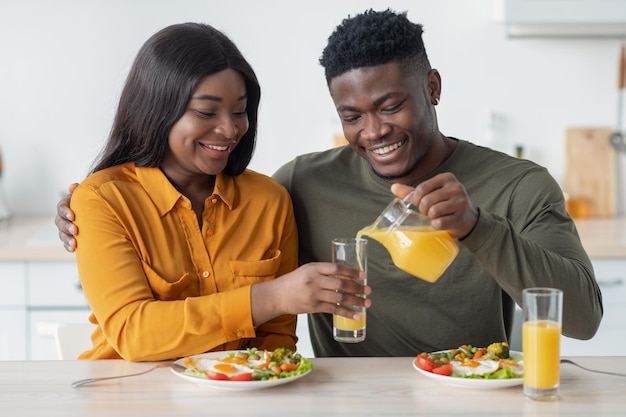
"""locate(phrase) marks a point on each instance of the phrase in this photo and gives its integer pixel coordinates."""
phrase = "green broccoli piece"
(498, 350)
(283, 355)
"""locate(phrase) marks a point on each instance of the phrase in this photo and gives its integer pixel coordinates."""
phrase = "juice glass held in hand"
(351, 252)
(541, 337)
(414, 245)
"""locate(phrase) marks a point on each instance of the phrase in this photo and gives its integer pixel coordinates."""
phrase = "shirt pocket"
(163, 289)
(250, 272)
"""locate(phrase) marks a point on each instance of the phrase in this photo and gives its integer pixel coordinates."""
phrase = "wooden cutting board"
(591, 169)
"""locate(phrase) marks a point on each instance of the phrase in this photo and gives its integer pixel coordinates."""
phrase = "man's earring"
(436, 101)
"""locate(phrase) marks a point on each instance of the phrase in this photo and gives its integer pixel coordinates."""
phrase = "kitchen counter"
(603, 238)
(32, 239)
(36, 238)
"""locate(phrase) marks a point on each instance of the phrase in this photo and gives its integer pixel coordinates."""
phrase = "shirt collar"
(225, 189)
(165, 196)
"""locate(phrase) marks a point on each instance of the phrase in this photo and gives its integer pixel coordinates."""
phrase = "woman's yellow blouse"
(161, 288)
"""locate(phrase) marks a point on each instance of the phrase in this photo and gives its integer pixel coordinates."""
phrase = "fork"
(591, 370)
(90, 380)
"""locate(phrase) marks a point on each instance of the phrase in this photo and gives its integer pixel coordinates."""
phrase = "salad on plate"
(250, 365)
(469, 363)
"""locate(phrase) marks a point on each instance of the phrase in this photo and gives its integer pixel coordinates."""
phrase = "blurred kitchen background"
(534, 77)
(513, 88)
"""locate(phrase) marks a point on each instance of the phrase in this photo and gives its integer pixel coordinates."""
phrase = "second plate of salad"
(489, 367)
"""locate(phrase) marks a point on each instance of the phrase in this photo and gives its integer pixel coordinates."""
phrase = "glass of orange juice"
(541, 337)
(351, 252)
(414, 245)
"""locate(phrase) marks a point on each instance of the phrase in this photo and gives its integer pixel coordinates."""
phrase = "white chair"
(72, 339)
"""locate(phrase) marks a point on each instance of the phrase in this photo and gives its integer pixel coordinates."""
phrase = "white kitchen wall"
(63, 62)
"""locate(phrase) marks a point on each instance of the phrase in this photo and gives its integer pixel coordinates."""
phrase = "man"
(507, 214)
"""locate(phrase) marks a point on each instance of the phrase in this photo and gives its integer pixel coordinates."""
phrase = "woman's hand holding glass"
(319, 287)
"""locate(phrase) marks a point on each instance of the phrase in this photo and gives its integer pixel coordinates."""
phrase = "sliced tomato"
(445, 370)
(242, 377)
(423, 362)
(216, 376)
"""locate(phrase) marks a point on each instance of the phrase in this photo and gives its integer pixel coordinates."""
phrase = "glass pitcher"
(414, 245)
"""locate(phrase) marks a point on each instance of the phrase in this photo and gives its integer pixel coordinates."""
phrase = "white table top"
(337, 387)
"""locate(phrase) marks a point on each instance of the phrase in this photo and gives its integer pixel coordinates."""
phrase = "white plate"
(471, 382)
(228, 385)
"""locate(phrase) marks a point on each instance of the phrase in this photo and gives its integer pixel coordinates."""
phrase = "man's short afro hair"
(374, 38)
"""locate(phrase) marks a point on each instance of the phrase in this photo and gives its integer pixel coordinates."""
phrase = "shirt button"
(214, 200)
(239, 333)
(209, 232)
(206, 274)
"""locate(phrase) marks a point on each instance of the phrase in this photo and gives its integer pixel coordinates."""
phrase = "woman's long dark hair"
(160, 84)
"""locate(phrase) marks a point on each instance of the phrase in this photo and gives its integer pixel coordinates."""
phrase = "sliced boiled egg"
(475, 367)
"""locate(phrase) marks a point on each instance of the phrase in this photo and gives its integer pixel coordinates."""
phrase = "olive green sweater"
(524, 238)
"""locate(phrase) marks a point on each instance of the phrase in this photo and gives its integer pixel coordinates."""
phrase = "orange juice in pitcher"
(414, 245)
(422, 252)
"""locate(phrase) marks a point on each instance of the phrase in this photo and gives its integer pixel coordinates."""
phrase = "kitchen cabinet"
(12, 334)
(40, 289)
(12, 311)
(39, 296)
(611, 277)
(53, 297)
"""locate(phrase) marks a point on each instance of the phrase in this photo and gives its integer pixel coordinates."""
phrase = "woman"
(181, 249)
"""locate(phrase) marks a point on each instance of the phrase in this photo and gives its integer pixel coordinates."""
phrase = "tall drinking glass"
(541, 337)
(351, 252)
